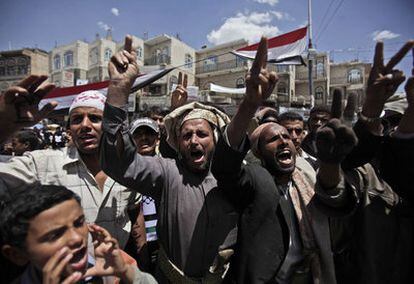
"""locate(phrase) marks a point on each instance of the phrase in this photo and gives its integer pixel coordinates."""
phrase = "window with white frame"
(320, 69)
(108, 54)
(68, 58)
(355, 76)
(188, 61)
(319, 93)
(56, 62)
(139, 52)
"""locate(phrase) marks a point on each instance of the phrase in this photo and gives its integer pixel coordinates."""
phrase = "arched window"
(68, 58)
(56, 62)
(354, 76)
(320, 69)
(108, 54)
(240, 83)
(139, 52)
(319, 93)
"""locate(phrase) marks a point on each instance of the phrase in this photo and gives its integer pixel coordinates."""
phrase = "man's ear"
(14, 254)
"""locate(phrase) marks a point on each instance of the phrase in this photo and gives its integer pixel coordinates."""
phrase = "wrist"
(127, 274)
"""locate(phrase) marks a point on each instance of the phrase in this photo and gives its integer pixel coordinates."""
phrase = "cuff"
(115, 119)
(240, 148)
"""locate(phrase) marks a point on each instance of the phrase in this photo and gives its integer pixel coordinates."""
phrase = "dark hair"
(17, 212)
(320, 108)
(29, 136)
(290, 115)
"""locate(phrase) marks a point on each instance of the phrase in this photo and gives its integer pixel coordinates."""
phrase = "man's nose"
(75, 238)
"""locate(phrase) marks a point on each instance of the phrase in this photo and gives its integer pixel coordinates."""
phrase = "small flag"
(283, 49)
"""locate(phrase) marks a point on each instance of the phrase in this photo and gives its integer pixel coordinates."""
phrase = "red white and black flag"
(283, 49)
(65, 96)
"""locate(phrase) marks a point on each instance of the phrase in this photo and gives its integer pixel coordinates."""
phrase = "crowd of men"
(191, 195)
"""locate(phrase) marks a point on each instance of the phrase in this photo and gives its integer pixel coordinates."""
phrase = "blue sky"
(348, 33)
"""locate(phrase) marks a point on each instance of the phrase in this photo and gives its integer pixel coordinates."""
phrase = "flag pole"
(311, 55)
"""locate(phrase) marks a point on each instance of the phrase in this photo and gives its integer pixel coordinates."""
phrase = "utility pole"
(311, 54)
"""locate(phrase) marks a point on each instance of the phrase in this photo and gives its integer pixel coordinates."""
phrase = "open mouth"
(79, 259)
(197, 155)
(284, 157)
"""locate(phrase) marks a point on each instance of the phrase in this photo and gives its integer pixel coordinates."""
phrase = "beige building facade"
(17, 64)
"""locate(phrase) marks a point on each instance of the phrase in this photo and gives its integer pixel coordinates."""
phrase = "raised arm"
(118, 156)
(19, 105)
(259, 86)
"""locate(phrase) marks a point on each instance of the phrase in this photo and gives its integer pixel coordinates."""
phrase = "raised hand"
(108, 255)
(19, 105)
(123, 67)
(334, 141)
(407, 121)
(260, 82)
(55, 268)
(383, 80)
(180, 95)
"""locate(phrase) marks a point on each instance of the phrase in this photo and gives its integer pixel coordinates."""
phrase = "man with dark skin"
(283, 235)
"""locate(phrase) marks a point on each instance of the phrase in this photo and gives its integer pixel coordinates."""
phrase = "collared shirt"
(106, 208)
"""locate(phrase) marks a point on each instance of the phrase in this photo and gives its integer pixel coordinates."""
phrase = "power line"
(324, 16)
(329, 21)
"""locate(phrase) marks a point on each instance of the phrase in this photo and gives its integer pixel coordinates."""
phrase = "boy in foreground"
(45, 227)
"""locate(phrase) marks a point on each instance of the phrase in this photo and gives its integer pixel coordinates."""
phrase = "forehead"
(292, 123)
(144, 129)
(273, 130)
(56, 216)
(196, 124)
(85, 110)
(319, 114)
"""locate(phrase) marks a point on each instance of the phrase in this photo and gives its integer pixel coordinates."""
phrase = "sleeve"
(141, 277)
(119, 158)
(397, 166)
(19, 172)
(230, 174)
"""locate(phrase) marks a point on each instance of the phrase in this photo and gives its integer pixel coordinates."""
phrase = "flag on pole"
(65, 96)
(283, 49)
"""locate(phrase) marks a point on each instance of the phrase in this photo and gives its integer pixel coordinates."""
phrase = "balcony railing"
(219, 66)
(158, 59)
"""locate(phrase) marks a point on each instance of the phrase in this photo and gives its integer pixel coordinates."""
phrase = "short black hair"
(17, 212)
(320, 108)
(290, 115)
(30, 137)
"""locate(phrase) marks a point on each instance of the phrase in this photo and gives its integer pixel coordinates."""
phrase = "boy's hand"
(179, 95)
(108, 256)
(55, 267)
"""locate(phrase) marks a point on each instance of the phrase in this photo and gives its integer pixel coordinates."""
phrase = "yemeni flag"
(283, 49)
(65, 96)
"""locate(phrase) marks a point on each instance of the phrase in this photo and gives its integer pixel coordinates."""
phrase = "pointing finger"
(336, 108)
(128, 43)
(398, 56)
(180, 78)
(261, 56)
(185, 81)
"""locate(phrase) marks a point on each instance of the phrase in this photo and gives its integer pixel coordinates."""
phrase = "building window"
(108, 54)
(240, 61)
(93, 56)
(319, 93)
(11, 70)
(166, 50)
(56, 62)
(355, 76)
(320, 69)
(22, 70)
(173, 80)
(281, 89)
(68, 58)
(2, 71)
(282, 68)
(139, 52)
(210, 63)
(240, 83)
(188, 61)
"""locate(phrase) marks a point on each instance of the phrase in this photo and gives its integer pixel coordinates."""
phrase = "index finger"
(261, 56)
(398, 56)
(180, 78)
(128, 43)
(336, 108)
(28, 81)
(185, 81)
